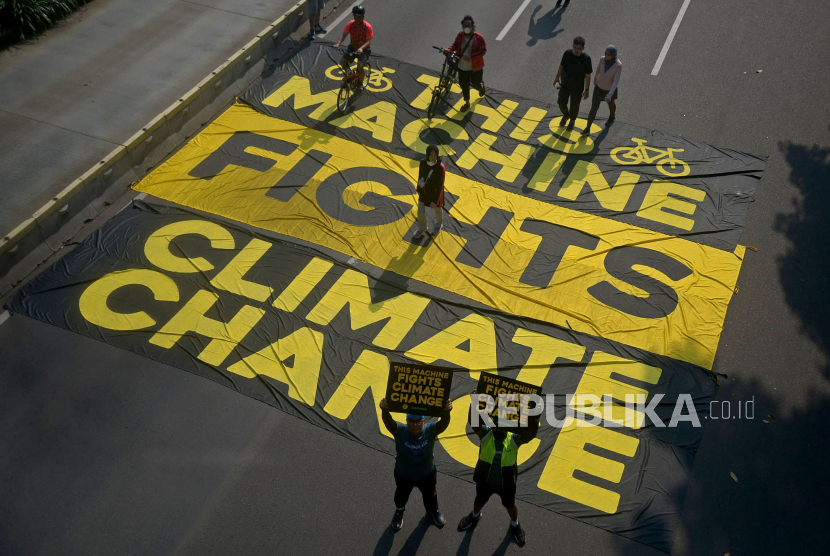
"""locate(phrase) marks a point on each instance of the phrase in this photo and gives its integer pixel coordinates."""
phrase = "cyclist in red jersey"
(361, 41)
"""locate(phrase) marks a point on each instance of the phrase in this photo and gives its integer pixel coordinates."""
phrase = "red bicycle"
(351, 81)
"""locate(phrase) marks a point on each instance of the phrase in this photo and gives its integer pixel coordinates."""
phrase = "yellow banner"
(599, 276)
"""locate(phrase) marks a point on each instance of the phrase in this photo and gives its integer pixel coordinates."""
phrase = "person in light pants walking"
(430, 191)
(608, 75)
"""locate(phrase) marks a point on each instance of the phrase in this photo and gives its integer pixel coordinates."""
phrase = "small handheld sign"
(514, 410)
(420, 389)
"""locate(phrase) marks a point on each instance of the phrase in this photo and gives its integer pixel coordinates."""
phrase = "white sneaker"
(437, 230)
(418, 235)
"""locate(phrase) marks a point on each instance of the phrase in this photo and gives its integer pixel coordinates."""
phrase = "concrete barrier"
(50, 227)
(182, 122)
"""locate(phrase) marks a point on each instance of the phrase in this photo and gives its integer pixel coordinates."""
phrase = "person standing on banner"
(430, 191)
(606, 80)
(470, 47)
(497, 470)
(574, 69)
(361, 42)
(315, 10)
(414, 461)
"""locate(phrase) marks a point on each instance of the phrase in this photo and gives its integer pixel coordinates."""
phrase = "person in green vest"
(497, 470)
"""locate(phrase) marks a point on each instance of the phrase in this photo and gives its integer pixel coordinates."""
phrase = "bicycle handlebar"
(445, 52)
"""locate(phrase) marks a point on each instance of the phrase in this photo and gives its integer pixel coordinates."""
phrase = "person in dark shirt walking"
(573, 79)
(496, 471)
(414, 461)
(430, 191)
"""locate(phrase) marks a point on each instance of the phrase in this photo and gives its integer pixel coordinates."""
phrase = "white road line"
(670, 37)
(513, 20)
(340, 19)
(4, 316)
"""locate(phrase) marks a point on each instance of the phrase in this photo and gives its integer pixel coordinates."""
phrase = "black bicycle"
(445, 81)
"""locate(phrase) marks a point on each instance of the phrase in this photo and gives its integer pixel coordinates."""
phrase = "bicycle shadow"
(544, 28)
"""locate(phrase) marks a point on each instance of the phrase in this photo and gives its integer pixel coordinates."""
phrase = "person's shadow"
(505, 543)
(410, 546)
(545, 27)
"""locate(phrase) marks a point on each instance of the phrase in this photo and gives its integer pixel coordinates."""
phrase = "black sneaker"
(610, 121)
(570, 126)
(437, 518)
(468, 521)
(518, 532)
(563, 122)
(397, 520)
(482, 90)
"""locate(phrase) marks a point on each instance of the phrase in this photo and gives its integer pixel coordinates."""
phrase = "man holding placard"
(496, 471)
(414, 460)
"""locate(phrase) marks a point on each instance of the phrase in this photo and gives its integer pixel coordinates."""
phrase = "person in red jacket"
(430, 191)
(470, 47)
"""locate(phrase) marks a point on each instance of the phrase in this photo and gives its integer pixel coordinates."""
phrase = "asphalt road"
(104, 452)
(71, 96)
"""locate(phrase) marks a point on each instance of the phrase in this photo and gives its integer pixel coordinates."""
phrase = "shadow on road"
(464, 547)
(545, 27)
(778, 504)
(804, 269)
(410, 547)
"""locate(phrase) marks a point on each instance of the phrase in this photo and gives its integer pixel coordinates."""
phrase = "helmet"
(359, 10)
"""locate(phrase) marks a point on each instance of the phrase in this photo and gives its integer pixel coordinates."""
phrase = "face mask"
(432, 163)
(468, 30)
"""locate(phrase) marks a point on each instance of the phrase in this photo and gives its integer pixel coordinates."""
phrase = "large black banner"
(302, 332)
(626, 233)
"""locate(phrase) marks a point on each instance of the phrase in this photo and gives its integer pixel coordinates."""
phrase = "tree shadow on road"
(804, 269)
(545, 27)
(778, 505)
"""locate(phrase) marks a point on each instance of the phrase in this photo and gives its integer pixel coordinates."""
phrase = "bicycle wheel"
(434, 102)
(367, 72)
(343, 98)
(445, 95)
(627, 155)
(678, 167)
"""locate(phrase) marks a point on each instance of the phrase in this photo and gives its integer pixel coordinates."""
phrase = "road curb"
(52, 225)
